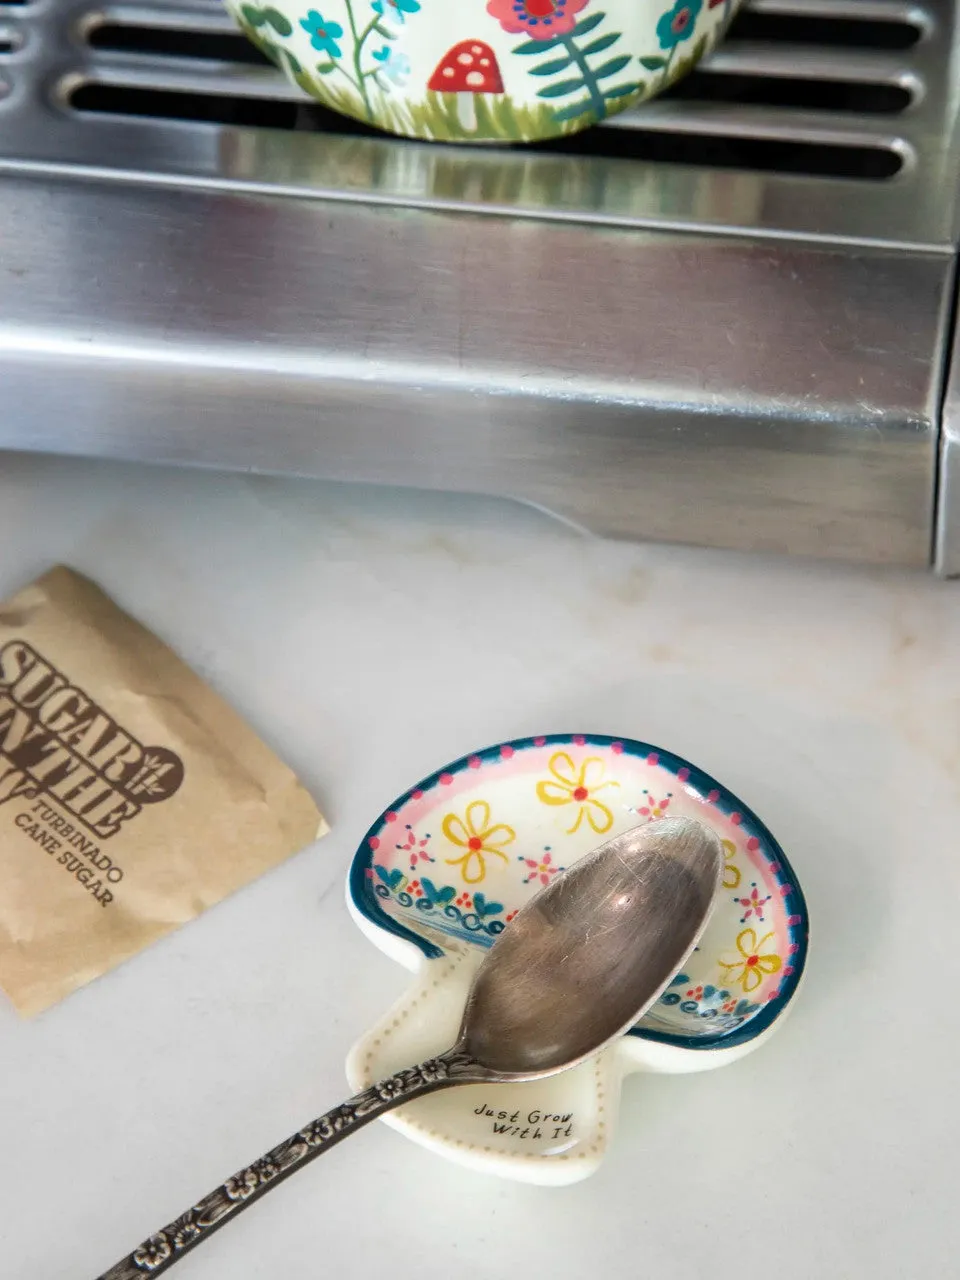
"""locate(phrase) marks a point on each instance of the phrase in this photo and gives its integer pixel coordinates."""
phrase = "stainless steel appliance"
(724, 319)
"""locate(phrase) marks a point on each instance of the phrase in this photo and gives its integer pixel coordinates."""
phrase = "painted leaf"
(493, 908)
(326, 67)
(653, 64)
(256, 17)
(561, 89)
(612, 67)
(279, 21)
(551, 68)
(537, 46)
(622, 91)
(446, 894)
(295, 67)
(601, 43)
(587, 25)
(581, 108)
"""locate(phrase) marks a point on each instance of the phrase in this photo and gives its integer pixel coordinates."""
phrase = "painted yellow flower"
(731, 874)
(754, 961)
(475, 833)
(570, 785)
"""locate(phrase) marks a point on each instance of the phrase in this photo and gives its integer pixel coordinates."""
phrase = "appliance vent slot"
(826, 31)
(763, 155)
(210, 108)
(172, 42)
(808, 94)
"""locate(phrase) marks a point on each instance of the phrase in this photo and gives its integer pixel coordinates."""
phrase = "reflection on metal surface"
(720, 318)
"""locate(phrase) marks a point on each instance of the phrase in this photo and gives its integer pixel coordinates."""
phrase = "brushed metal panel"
(684, 387)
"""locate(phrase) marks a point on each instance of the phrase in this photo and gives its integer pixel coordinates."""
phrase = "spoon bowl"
(587, 956)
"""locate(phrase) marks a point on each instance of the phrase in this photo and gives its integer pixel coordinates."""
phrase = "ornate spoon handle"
(168, 1246)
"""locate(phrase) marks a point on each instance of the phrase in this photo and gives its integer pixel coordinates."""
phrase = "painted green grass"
(436, 117)
(499, 118)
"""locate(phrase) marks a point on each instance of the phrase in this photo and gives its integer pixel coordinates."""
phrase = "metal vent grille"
(819, 118)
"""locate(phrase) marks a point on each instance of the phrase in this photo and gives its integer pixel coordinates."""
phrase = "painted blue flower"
(678, 23)
(394, 69)
(323, 35)
(395, 10)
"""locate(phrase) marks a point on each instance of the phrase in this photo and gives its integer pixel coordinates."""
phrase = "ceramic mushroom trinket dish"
(483, 70)
(447, 867)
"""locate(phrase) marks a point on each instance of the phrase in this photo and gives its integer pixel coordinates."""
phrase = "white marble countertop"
(371, 636)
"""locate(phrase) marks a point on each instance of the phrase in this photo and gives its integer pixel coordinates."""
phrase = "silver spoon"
(580, 964)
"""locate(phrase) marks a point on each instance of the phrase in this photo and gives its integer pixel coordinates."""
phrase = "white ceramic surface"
(828, 696)
(483, 70)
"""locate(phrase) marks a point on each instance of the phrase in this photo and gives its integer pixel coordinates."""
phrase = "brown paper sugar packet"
(131, 796)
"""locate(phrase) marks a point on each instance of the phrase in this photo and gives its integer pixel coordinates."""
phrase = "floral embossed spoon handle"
(166, 1247)
(583, 960)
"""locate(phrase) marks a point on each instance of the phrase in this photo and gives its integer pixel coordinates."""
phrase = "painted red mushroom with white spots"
(468, 69)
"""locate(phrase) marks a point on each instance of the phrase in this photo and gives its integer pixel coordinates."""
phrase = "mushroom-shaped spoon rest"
(444, 870)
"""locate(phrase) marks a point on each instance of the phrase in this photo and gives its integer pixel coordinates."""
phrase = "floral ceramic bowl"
(446, 869)
(482, 70)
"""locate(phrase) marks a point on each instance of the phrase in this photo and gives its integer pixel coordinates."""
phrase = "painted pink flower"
(653, 808)
(541, 868)
(417, 849)
(539, 19)
(752, 905)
